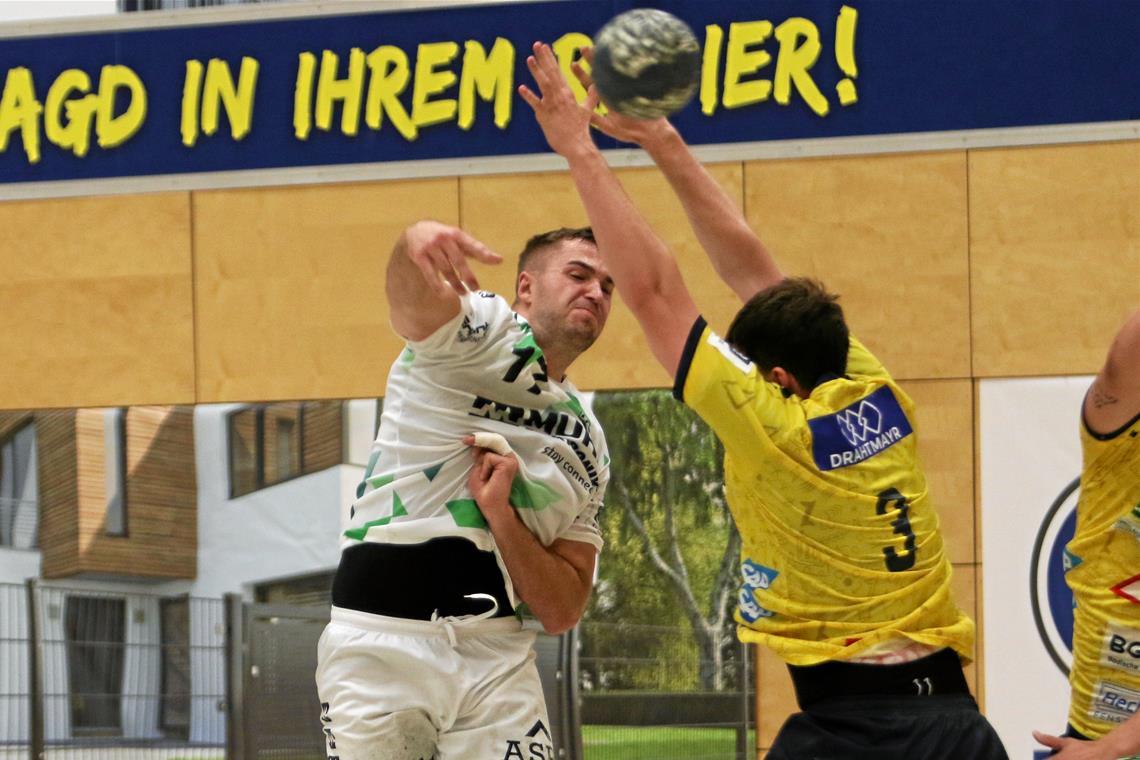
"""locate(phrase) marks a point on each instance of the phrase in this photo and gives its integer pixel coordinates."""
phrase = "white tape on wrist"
(494, 442)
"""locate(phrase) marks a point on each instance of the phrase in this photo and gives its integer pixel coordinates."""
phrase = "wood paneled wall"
(161, 540)
(952, 266)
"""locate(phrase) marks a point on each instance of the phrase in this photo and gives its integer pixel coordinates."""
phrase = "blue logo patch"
(858, 432)
(756, 575)
(750, 611)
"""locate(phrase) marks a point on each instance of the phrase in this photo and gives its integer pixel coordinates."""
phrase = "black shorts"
(920, 710)
(947, 727)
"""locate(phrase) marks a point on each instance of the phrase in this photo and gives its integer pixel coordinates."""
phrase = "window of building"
(115, 475)
(95, 628)
(174, 709)
(19, 489)
(273, 443)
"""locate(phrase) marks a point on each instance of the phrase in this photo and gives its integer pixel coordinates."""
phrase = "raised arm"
(646, 274)
(736, 252)
(1114, 398)
(427, 272)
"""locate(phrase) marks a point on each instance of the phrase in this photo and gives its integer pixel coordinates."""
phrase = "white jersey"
(482, 371)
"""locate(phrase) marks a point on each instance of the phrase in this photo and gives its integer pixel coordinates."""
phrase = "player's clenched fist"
(491, 477)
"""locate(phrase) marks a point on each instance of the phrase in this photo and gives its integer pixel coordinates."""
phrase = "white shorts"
(396, 689)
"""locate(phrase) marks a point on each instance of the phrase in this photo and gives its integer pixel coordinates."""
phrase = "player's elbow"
(556, 625)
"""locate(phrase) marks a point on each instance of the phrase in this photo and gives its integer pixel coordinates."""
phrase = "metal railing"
(114, 675)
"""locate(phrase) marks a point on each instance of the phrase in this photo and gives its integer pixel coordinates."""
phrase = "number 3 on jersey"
(891, 500)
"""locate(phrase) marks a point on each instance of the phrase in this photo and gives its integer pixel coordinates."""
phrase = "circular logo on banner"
(1050, 595)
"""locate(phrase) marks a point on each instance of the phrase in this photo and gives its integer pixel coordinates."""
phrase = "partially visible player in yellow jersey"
(1103, 565)
(844, 573)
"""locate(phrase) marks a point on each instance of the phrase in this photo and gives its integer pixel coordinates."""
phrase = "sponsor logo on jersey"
(1050, 596)
(569, 427)
(1121, 648)
(537, 744)
(469, 333)
(756, 575)
(858, 432)
(750, 610)
(739, 360)
(1113, 702)
(1129, 589)
(1130, 523)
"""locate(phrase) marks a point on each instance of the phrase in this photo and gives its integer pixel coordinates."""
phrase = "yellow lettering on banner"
(191, 87)
(388, 77)
(75, 135)
(492, 76)
(115, 130)
(219, 89)
(349, 91)
(429, 82)
(710, 69)
(303, 96)
(845, 54)
(20, 109)
(799, 50)
(742, 60)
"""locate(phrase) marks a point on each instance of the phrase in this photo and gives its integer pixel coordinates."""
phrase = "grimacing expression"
(570, 292)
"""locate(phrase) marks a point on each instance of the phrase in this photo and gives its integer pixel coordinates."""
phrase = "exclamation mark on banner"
(845, 54)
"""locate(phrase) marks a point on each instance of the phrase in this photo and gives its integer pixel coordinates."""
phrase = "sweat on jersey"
(841, 545)
(482, 371)
(1102, 567)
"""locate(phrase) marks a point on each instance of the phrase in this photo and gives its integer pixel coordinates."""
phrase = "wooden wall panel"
(491, 211)
(161, 496)
(946, 445)
(59, 492)
(1055, 255)
(889, 234)
(97, 301)
(290, 286)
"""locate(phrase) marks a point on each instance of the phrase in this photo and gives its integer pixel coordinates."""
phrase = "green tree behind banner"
(672, 552)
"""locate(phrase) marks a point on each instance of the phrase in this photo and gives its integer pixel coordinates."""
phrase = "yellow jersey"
(1102, 567)
(841, 546)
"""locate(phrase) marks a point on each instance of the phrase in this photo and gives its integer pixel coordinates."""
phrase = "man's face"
(567, 297)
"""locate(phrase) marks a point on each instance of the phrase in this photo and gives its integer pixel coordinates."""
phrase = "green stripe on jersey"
(466, 513)
(529, 494)
(398, 510)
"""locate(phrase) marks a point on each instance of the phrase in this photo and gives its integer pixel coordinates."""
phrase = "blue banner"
(431, 84)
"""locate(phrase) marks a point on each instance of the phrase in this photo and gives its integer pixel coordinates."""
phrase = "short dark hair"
(795, 324)
(545, 240)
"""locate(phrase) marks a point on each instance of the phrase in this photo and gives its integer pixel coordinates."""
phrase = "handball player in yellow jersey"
(843, 571)
(1103, 565)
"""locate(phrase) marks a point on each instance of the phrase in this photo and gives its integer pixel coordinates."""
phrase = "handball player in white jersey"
(481, 496)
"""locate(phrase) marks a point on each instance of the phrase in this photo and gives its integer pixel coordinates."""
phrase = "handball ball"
(647, 63)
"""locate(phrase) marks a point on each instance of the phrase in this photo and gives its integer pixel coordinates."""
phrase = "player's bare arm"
(554, 581)
(1114, 398)
(1122, 741)
(427, 273)
(646, 274)
(736, 252)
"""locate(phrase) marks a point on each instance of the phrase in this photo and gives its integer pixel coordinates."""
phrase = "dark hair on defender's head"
(545, 240)
(795, 324)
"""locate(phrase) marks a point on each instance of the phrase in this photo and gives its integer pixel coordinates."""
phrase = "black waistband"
(414, 580)
(939, 673)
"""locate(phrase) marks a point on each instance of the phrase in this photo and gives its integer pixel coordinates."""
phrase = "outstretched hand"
(643, 132)
(1074, 749)
(440, 251)
(564, 122)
